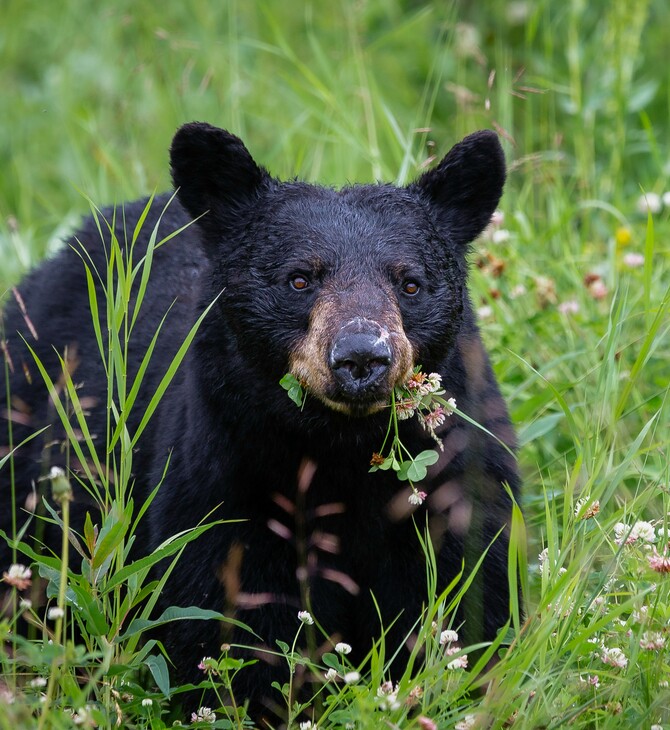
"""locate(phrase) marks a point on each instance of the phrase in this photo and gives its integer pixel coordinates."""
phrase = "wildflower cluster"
(421, 396)
(448, 640)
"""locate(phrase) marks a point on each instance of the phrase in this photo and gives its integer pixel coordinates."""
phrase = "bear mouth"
(357, 407)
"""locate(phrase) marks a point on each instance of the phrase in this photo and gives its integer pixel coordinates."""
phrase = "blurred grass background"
(91, 94)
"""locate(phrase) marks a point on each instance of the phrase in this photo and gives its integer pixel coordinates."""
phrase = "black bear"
(348, 290)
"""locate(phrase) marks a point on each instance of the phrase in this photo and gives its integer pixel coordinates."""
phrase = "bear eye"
(299, 283)
(411, 288)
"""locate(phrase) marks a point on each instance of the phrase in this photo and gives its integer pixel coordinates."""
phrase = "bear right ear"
(465, 188)
(214, 173)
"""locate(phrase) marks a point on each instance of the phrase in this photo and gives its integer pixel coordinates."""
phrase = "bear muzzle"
(360, 358)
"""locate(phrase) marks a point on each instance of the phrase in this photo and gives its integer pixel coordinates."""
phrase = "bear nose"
(359, 360)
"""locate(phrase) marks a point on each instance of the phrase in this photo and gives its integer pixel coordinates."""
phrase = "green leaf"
(159, 671)
(176, 613)
(416, 469)
(294, 389)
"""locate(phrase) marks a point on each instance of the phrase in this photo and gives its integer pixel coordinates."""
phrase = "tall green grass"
(358, 91)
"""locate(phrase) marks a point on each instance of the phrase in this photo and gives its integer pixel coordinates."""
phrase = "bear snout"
(360, 357)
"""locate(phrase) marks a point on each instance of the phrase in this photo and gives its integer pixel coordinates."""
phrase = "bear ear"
(465, 188)
(213, 173)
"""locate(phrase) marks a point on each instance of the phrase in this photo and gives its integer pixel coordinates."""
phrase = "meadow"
(572, 285)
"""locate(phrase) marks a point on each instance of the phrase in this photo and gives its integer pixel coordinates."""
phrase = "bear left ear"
(214, 174)
(465, 188)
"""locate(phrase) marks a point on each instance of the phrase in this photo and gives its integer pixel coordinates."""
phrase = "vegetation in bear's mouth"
(569, 285)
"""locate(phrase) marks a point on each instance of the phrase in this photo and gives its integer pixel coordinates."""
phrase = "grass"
(357, 91)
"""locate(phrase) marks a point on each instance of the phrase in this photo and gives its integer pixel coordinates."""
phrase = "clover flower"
(405, 409)
(569, 307)
(147, 702)
(659, 563)
(83, 716)
(416, 497)
(415, 694)
(641, 530)
(614, 657)
(308, 725)
(449, 636)
(460, 662)
(331, 675)
(469, 721)
(18, 576)
(633, 260)
(351, 677)
(591, 511)
(342, 648)
(517, 291)
(652, 640)
(649, 203)
(208, 664)
(502, 235)
(54, 613)
(389, 696)
(204, 714)
(306, 617)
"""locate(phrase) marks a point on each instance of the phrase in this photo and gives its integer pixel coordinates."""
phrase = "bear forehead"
(369, 213)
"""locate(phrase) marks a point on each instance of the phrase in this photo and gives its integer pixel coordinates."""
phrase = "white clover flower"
(614, 657)
(83, 717)
(518, 291)
(641, 530)
(305, 617)
(385, 688)
(389, 696)
(569, 307)
(640, 614)
(633, 260)
(649, 203)
(204, 714)
(589, 681)
(501, 236)
(38, 682)
(26, 604)
(460, 662)
(18, 576)
(434, 381)
(342, 648)
(351, 677)
(55, 613)
(497, 218)
(308, 725)
(331, 675)
(652, 640)
(466, 723)
(644, 531)
(147, 702)
(449, 636)
(416, 497)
